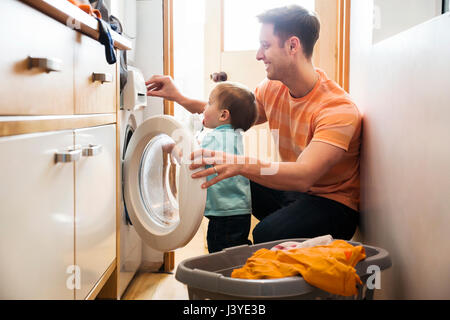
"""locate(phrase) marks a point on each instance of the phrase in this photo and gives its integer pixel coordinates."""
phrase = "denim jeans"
(289, 214)
(229, 231)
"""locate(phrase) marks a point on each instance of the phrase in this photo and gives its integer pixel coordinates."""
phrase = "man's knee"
(259, 233)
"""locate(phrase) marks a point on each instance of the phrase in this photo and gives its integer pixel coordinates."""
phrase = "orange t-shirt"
(326, 114)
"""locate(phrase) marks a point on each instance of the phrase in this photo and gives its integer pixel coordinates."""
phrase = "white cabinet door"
(95, 204)
(36, 217)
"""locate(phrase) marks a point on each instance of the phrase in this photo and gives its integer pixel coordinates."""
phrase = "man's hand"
(224, 164)
(164, 87)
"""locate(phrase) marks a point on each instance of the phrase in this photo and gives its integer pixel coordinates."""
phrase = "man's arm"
(316, 160)
(192, 105)
(164, 87)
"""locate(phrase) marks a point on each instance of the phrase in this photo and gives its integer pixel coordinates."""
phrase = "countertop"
(73, 17)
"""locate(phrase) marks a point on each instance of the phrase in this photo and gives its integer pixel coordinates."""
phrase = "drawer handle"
(70, 155)
(92, 150)
(48, 64)
(102, 77)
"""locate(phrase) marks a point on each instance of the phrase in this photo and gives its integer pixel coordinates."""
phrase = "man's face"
(275, 58)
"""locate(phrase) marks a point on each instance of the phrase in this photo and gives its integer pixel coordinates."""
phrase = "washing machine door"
(164, 203)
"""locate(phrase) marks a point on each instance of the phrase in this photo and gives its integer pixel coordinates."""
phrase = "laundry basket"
(209, 276)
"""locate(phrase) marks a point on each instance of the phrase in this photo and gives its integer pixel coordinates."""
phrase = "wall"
(149, 51)
(394, 16)
(188, 42)
(401, 85)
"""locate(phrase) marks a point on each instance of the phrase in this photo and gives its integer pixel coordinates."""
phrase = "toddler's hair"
(239, 100)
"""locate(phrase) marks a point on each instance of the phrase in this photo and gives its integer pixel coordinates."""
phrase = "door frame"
(343, 42)
(169, 257)
(168, 49)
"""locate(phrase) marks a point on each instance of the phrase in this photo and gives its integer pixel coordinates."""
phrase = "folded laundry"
(329, 267)
(318, 241)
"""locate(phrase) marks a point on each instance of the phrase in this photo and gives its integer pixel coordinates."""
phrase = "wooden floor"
(161, 286)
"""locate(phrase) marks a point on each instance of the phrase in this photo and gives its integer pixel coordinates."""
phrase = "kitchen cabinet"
(36, 216)
(58, 169)
(95, 204)
(58, 222)
(95, 81)
(31, 65)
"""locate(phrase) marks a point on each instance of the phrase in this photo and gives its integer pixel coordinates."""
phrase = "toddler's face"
(212, 113)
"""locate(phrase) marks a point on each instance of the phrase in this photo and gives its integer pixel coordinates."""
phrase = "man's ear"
(294, 44)
(224, 114)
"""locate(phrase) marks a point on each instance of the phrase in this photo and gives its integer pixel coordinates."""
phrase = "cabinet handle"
(48, 64)
(70, 155)
(92, 150)
(102, 77)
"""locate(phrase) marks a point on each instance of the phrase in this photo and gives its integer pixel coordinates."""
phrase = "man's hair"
(239, 101)
(296, 21)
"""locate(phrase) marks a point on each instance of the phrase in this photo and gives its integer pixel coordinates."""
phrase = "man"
(315, 190)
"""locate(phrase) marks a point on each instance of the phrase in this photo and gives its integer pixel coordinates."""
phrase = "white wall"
(401, 85)
(149, 51)
(188, 33)
(394, 16)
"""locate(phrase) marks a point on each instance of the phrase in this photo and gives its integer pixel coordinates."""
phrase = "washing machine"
(162, 206)
(131, 115)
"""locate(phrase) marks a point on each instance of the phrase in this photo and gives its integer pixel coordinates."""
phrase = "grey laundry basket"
(209, 276)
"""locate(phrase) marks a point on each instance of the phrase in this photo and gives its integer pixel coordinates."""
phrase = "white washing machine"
(162, 205)
(130, 243)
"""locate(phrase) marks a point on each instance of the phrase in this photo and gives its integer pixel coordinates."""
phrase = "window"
(241, 27)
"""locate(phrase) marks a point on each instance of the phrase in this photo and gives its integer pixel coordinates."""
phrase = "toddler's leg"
(225, 232)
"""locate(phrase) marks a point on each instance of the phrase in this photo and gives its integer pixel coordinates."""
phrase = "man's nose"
(259, 55)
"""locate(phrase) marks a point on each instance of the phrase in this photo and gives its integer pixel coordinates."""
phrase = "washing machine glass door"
(164, 203)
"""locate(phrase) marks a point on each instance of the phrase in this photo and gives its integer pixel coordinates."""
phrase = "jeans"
(229, 231)
(289, 214)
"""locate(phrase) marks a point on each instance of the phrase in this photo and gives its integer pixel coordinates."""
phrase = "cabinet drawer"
(95, 205)
(26, 90)
(36, 217)
(93, 96)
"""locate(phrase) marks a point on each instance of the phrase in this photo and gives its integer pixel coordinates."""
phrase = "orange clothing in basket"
(329, 267)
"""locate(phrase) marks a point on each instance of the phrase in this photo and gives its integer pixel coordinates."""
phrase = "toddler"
(231, 109)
